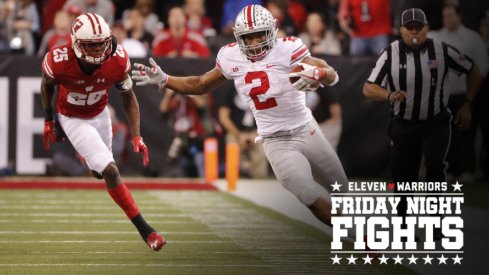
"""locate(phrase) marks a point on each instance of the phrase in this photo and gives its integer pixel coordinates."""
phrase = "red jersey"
(79, 94)
(369, 17)
(164, 43)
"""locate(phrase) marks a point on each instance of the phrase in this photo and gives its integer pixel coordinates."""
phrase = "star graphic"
(457, 186)
(367, 260)
(336, 186)
(351, 260)
(398, 260)
(336, 260)
(442, 259)
(383, 259)
(457, 259)
(412, 260)
(427, 259)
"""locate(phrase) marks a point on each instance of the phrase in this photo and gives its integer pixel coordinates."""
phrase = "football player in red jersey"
(83, 71)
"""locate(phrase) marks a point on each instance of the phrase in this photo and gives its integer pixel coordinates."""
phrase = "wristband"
(48, 114)
(336, 79)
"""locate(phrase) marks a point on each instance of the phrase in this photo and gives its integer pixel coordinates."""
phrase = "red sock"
(123, 198)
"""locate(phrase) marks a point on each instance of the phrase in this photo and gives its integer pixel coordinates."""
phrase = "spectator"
(59, 35)
(104, 8)
(319, 38)
(298, 13)
(134, 25)
(178, 41)
(279, 10)
(21, 21)
(236, 117)
(461, 154)
(326, 109)
(48, 12)
(134, 47)
(152, 23)
(231, 8)
(197, 21)
(185, 115)
(368, 23)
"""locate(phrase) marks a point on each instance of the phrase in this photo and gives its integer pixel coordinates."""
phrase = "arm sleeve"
(220, 59)
(379, 72)
(47, 67)
(458, 61)
(299, 50)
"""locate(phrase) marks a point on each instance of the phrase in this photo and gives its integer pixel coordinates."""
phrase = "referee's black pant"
(410, 141)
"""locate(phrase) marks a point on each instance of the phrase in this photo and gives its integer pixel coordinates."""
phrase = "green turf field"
(207, 232)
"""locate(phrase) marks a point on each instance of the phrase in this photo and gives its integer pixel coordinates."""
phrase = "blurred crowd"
(198, 28)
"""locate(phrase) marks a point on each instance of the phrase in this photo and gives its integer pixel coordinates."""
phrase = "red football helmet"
(91, 38)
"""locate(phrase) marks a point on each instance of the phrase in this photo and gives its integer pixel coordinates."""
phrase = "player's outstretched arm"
(196, 85)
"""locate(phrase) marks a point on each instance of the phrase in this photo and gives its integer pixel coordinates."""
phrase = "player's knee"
(111, 175)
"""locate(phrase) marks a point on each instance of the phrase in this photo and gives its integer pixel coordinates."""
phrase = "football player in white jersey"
(260, 65)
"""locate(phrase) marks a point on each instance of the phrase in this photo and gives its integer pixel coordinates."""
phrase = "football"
(297, 68)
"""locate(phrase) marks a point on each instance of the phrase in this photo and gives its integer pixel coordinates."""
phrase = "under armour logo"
(403, 66)
(100, 80)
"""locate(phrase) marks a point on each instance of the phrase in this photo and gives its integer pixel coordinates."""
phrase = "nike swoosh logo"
(269, 66)
(312, 132)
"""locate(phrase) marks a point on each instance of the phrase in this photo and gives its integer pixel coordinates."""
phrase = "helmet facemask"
(258, 51)
(93, 51)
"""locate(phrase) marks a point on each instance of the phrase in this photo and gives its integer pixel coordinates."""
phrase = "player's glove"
(309, 79)
(49, 135)
(139, 146)
(153, 75)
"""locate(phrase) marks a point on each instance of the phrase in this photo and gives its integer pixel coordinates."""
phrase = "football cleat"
(155, 241)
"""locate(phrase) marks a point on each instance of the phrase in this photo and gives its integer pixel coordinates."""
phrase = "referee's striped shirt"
(421, 73)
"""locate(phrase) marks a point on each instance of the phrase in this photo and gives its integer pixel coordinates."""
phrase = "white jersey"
(264, 84)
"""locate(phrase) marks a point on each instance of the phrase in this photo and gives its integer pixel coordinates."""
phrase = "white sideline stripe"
(47, 207)
(88, 241)
(92, 221)
(85, 215)
(122, 252)
(138, 265)
(96, 233)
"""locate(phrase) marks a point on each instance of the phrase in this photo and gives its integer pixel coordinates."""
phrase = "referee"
(411, 74)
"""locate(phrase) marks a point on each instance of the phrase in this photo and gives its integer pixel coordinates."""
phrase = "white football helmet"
(91, 38)
(253, 19)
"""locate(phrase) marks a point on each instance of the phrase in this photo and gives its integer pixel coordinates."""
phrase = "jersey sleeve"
(221, 62)
(123, 61)
(379, 72)
(298, 49)
(457, 61)
(47, 65)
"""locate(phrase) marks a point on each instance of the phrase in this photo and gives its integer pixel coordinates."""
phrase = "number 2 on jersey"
(260, 90)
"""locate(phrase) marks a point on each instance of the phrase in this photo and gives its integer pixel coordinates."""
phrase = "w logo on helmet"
(77, 24)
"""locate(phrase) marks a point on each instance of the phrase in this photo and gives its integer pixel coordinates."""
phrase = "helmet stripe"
(249, 13)
(91, 22)
(98, 23)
